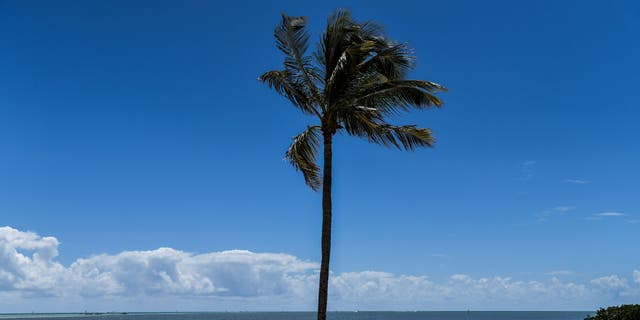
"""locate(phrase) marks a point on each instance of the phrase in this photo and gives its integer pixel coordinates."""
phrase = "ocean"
(421, 315)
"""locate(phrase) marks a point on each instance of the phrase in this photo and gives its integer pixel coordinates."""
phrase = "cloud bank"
(167, 279)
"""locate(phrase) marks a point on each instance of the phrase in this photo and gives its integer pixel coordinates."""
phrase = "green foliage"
(623, 312)
(352, 82)
(302, 155)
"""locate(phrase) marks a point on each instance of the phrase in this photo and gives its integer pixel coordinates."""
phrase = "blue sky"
(136, 125)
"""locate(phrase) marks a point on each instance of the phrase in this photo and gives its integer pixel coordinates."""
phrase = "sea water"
(421, 315)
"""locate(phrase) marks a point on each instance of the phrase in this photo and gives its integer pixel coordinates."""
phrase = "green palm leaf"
(302, 155)
(293, 40)
(289, 86)
(391, 97)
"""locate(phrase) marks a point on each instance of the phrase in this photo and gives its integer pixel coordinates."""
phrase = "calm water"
(427, 315)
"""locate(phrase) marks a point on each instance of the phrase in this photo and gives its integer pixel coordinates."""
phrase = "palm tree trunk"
(323, 289)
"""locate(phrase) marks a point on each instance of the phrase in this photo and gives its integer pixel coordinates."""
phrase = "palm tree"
(353, 81)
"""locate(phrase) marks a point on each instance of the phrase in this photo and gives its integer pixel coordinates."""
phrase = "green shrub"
(623, 312)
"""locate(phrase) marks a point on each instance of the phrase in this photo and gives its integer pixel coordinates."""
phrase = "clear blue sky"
(136, 125)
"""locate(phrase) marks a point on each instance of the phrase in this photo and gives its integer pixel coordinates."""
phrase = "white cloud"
(609, 214)
(545, 215)
(559, 273)
(564, 209)
(237, 273)
(33, 274)
(575, 181)
(610, 282)
(170, 279)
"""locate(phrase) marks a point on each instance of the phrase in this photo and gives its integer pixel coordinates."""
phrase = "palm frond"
(348, 62)
(338, 35)
(393, 61)
(292, 39)
(302, 155)
(394, 96)
(407, 137)
(287, 85)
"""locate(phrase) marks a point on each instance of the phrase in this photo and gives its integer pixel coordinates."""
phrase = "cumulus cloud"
(238, 273)
(170, 279)
(610, 282)
(169, 271)
(32, 274)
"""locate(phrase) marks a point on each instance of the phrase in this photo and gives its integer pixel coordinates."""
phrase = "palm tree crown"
(354, 79)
